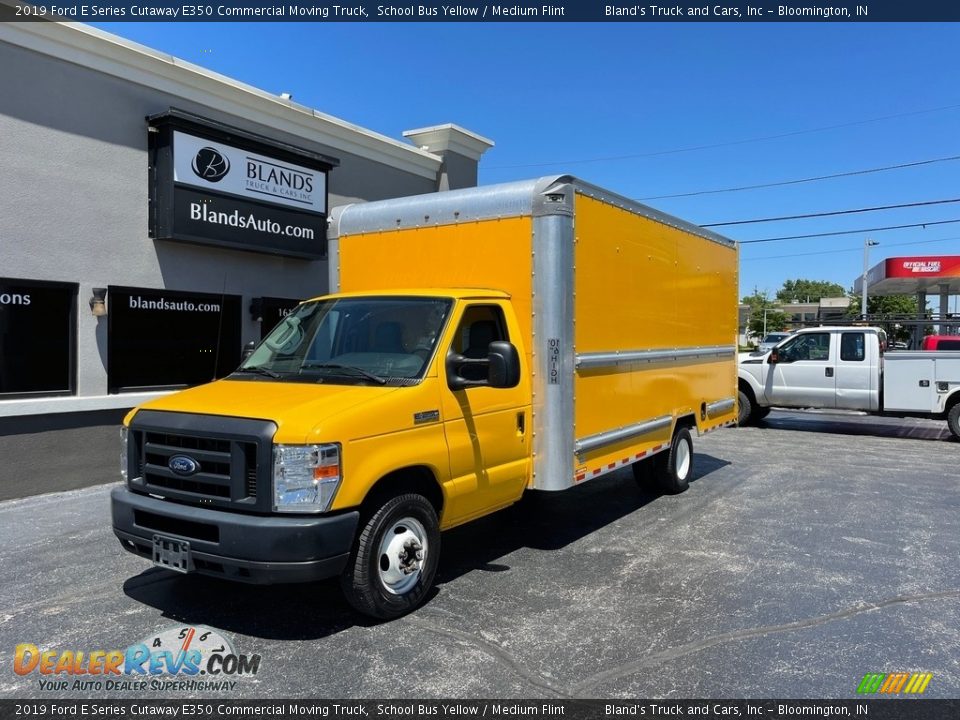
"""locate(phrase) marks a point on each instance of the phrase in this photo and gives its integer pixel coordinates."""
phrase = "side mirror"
(774, 357)
(248, 350)
(504, 365)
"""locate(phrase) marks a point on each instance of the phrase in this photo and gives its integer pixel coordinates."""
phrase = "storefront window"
(38, 336)
(168, 339)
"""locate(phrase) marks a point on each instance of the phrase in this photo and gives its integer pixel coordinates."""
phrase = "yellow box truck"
(478, 343)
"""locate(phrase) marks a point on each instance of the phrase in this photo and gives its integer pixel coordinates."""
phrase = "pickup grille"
(224, 467)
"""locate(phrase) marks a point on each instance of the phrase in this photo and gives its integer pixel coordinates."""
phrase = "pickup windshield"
(356, 340)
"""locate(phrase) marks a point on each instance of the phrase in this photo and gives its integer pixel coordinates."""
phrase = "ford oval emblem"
(183, 465)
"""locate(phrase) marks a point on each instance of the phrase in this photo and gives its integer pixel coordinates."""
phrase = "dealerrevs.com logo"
(191, 658)
(210, 164)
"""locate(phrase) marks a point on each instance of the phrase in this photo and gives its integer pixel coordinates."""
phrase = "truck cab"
(823, 367)
(266, 475)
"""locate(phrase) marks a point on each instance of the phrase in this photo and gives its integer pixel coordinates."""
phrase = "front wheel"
(394, 560)
(953, 420)
(744, 408)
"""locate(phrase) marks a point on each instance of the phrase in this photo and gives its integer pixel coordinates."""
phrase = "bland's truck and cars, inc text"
(479, 343)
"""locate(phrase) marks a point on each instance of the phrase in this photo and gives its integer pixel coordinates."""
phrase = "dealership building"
(156, 217)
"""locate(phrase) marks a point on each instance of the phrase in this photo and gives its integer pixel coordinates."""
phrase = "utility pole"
(867, 244)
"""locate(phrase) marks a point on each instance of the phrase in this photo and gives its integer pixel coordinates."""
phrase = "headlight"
(123, 453)
(305, 477)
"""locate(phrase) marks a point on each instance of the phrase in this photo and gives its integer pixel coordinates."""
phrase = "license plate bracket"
(172, 554)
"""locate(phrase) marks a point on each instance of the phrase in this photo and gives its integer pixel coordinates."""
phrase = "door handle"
(828, 372)
(521, 423)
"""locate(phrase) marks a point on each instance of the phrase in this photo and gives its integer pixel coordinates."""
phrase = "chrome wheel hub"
(403, 550)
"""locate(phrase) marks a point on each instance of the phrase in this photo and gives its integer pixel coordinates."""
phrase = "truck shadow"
(542, 521)
(868, 425)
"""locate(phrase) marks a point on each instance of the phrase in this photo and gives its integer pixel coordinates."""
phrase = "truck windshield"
(357, 340)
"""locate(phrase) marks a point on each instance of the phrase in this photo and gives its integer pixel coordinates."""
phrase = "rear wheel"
(953, 420)
(394, 560)
(675, 475)
(645, 472)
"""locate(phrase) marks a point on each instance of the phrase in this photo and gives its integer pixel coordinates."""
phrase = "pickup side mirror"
(774, 357)
(502, 366)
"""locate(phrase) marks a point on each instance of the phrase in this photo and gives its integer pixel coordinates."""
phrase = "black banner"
(38, 327)
(170, 339)
(888, 709)
(471, 11)
(219, 220)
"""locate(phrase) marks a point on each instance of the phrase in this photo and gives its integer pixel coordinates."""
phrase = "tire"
(760, 413)
(675, 473)
(645, 472)
(953, 420)
(384, 578)
(744, 409)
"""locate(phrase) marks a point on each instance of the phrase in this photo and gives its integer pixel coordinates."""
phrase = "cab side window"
(852, 347)
(480, 326)
(811, 346)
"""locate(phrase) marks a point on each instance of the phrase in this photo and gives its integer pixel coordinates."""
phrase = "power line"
(729, 143)
(846, 250)
(802, 180)
(848, 232)
(831, 213)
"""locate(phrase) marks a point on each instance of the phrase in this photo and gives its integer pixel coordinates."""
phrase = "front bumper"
(237, 546)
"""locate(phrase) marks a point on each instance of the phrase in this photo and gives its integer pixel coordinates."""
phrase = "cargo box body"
(628, 316)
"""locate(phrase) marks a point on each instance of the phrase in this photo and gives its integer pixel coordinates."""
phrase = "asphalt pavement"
(807, 552)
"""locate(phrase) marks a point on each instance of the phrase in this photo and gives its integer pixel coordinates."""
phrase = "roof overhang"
(910, 275)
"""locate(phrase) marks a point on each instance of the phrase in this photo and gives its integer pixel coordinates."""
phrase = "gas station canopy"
(935, 274)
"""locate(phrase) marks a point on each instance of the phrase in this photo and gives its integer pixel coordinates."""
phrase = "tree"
(885, 305)
(759, 301)
(801, 290)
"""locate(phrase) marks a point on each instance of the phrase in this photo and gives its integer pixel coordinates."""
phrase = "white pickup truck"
(848, 368)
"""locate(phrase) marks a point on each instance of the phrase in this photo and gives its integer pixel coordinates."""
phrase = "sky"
(649, 109)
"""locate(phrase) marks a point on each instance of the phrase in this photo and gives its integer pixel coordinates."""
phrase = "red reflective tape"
(580, 477)
(611, 466)
(625, 461)
(597, 471)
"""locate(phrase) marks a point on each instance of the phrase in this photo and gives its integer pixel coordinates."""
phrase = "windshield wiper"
(258, 370)
(351, 368)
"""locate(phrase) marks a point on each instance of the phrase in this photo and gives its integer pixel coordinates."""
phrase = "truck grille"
(215, 467)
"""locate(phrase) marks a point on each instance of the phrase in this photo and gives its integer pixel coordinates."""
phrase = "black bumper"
(236, 546)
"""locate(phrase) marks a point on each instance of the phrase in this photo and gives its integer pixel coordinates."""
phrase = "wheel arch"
(419, 479)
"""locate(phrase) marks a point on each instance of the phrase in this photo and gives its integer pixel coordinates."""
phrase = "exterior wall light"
(98, 302)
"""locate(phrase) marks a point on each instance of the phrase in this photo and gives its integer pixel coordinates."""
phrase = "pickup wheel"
(394, 560)
(760, 413)
(953, 420)
(677, 467)
(744, 409)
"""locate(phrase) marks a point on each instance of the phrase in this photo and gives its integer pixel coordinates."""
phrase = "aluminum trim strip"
(622, 357)
(553, 356)
(720, 407)
(536, 197)
(609, 437)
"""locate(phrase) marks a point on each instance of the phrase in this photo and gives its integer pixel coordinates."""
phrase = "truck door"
(805, 372)
(856, 376)
(487, 429)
